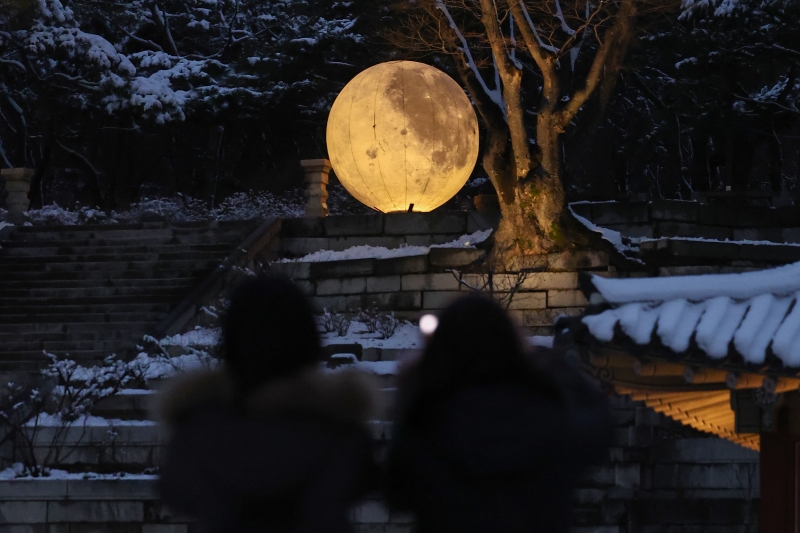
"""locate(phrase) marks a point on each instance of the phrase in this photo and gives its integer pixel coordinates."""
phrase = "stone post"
(17, 185)
(316, 186)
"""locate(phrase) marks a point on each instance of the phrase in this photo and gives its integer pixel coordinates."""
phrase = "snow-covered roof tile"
(754, 314)
(777, 281)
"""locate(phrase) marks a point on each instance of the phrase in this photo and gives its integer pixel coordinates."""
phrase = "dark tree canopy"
(204, 96)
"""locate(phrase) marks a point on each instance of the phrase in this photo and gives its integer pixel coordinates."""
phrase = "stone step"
(34, 302)
(38, 359)
(11, 262)
(108, 346)
(41, 313)
(34, 294)
(107, 265)
(93, 317)
(151, 272)
(185, 225)
(129, 404)
(106, 334)
(15, 242)
(123, 249)
(46, 284)
(55, 233)
(40, 327)
(125, 443)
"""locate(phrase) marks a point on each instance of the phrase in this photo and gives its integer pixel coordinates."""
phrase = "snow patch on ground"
(541, 340)
(135, 392)
(380, 368)
(161, 367)
(16, 472)
(48, 420)
(406, 336)
(197, 337)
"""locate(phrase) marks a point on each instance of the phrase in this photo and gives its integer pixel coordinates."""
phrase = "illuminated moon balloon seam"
(402, 136)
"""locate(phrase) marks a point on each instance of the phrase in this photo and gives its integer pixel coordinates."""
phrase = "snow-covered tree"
(709, 99)
(530, 66)
(167, 68)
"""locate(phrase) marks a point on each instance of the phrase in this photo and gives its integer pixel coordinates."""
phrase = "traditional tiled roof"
(681, 344)
(750, 316)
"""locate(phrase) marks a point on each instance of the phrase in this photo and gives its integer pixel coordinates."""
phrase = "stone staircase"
(89, 291)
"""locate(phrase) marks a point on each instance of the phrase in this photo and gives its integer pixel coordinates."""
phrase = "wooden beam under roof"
(687, 391)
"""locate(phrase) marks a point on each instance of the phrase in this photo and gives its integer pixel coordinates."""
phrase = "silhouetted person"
(491, 438)
(268, 443)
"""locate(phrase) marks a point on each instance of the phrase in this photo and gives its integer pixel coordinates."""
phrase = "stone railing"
(674, 218)
(259, 246)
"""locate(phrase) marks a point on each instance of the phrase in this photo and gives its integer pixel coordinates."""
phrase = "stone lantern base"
(17, 185)
(316, 186)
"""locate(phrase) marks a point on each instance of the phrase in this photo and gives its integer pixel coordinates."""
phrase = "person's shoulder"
(187, 394)
(347, 397)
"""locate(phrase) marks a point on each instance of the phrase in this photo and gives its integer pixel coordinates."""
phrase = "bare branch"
(602, 65)
(494, 94)
(529, 36)
(539, 41)
(3, 155)
(512, 94)
(560, 17)
(13, 63)
(83, 158)
(787, 50)
(162, 21)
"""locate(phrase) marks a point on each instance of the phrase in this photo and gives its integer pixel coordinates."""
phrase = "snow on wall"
(381, 252)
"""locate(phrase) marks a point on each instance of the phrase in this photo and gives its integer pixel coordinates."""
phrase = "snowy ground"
(48, 420)
(16, 473)
(406, 336)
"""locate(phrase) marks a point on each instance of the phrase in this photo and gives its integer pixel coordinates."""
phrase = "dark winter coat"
(293, 458)
(500, 458)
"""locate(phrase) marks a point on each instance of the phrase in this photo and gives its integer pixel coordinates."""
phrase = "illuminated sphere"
(402, 136)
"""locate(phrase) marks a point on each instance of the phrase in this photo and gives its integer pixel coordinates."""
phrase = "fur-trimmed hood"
(347, 397)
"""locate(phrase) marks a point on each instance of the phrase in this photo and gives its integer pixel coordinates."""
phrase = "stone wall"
(674, 218)
(129, 506)
(663, 477)
(415, 284)
(660, 477)
(300, 236)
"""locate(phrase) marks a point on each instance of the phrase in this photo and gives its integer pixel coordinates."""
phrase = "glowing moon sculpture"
(402, 136)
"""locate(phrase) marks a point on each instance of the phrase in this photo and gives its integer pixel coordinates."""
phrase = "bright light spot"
(427, 324)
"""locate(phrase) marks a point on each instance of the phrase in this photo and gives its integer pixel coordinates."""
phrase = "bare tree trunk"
(535, 219)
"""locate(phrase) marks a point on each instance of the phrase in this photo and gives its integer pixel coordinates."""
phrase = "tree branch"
(529, 36)
(163, 24)
(86, 162)
(494, 94)
(512, 81)
(601, 67)
(13, 63)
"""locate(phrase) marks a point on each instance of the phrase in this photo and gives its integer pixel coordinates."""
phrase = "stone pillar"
(316, 186)
(17, 185)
